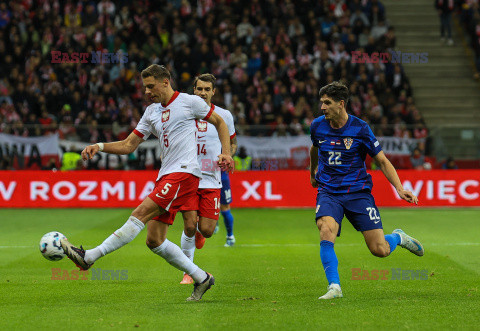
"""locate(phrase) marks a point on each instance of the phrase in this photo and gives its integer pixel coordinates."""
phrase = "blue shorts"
(225, 192)
(358, 207)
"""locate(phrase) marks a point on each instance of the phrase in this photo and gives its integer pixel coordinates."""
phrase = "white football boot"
(410, 243)
(333, 291)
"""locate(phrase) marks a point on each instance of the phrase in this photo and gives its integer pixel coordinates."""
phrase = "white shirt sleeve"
(200, 109)
(143, 129)
(231, 126)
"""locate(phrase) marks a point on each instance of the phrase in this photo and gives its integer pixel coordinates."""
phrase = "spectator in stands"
(445, 9)
(71, 160)
(6, 163)
(51, 165)
(417, 159)
(270, 60)
(242, 160)
(449, 164)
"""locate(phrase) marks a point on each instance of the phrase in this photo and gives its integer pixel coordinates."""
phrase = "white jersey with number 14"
(209, 147)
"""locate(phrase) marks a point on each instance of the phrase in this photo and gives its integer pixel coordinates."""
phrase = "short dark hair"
(156, 71)
(335, 90)
(209, 78)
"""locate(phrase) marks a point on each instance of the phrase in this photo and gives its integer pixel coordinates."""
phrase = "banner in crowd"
(274, 152)
(145, 157)
(110, 189)
(398, 146)
(298, 147)
(28, 152)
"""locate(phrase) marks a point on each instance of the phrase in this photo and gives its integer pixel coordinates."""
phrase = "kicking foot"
(77, 255)
(187, 279)
(333, 291)
(217, 228)
(199, 289)
(410, 243)
(230, 241)
(199, 240)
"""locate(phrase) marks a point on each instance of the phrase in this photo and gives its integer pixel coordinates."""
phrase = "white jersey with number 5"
(209, 147)
(174, 126)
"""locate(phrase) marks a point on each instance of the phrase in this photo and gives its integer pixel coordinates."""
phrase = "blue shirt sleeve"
(371, 142)
(313, 130)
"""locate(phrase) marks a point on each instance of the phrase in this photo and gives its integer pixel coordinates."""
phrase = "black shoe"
(199, 289)
(77, 255)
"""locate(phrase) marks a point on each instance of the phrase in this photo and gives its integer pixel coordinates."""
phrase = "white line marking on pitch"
(299, 245)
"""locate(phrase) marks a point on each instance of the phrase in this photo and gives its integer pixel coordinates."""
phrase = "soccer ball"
(50, 246)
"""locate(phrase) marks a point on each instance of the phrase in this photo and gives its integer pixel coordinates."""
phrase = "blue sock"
(228, 220)
(329, 261)
(393, 241)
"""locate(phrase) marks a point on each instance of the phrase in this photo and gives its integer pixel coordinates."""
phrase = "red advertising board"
(100, 189)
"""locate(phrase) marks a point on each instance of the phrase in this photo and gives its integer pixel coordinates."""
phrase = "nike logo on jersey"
(375, 222)
(159, 196)
(321, 141)
(216, 213)
(201, 137)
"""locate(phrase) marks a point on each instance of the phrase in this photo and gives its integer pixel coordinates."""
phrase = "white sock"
(174, 255)
(119, 238)
(188, 245)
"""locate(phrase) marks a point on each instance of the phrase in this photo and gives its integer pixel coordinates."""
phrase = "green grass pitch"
(270, 280)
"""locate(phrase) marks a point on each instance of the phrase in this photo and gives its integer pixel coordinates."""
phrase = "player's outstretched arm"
(225, 160)
(313, 165)
(391, 174)
(233, 145)
(126, 146)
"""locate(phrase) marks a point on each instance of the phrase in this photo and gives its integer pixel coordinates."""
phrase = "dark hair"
(156, 71)
(336, 90)
(209, 78)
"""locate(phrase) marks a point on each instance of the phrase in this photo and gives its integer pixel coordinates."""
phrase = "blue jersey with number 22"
(341, 155)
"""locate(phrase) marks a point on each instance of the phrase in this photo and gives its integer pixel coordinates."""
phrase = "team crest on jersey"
(348, 142)
(201, 126)
(165, 115)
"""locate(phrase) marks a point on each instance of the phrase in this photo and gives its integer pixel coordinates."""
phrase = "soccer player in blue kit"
(225, 201)
(340, 145)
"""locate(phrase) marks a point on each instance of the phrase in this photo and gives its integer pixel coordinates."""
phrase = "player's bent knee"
(207, 227)
(207, 232)
(327, 232)
(380, 251)
(152, 243)
(190, 228)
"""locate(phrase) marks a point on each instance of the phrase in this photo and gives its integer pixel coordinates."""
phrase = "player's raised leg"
(328, 228)
(383, 245)
(135, 223)
(159, 244)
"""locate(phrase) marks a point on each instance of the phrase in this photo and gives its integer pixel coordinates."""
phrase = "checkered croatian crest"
(348, 142)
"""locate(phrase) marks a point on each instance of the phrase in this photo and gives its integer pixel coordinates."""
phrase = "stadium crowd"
(469, 14)
(270, 58)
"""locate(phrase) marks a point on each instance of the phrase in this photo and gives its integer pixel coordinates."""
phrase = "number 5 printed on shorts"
(165, 190)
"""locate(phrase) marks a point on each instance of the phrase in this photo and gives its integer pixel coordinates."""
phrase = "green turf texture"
(270, 280)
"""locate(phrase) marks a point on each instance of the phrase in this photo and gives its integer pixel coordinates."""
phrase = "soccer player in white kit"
(171, 118)
(206, 203)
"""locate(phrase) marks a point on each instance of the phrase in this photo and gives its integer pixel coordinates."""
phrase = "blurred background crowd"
(270, 58)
